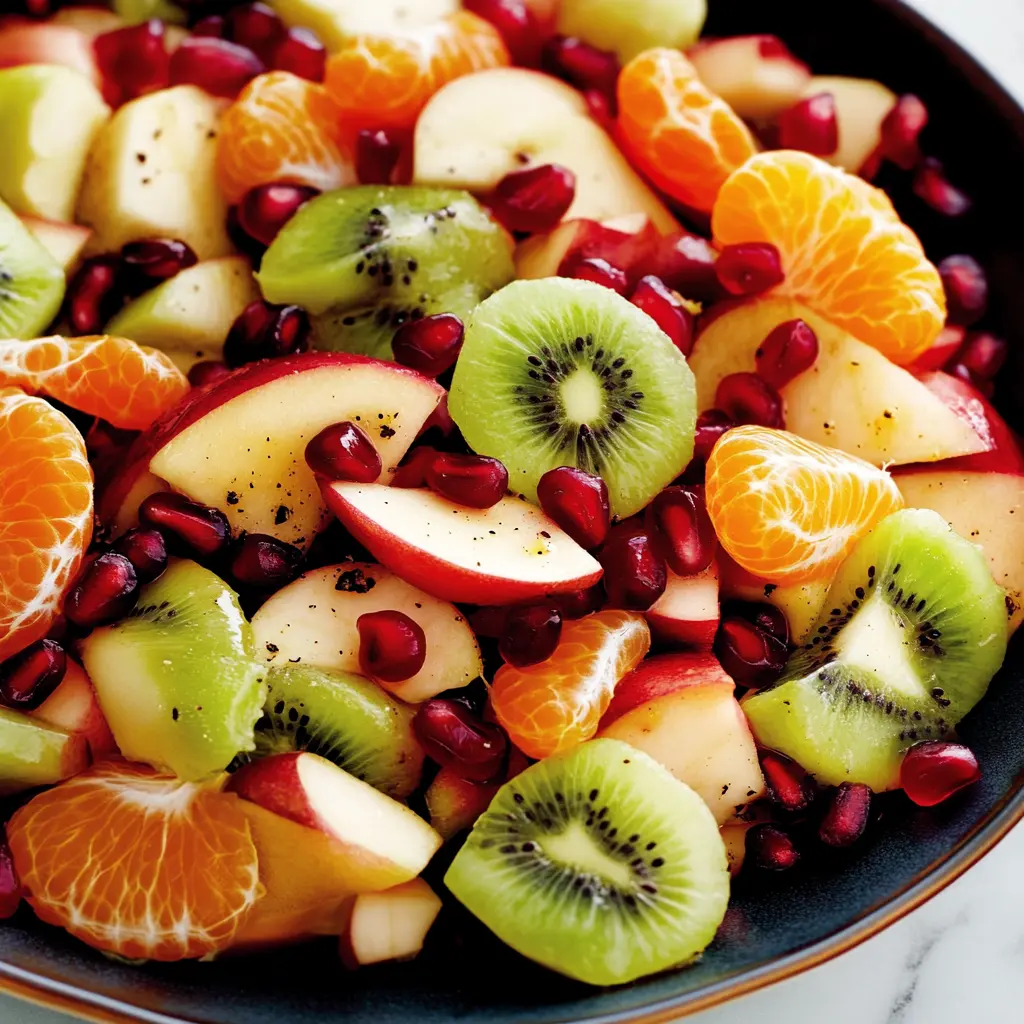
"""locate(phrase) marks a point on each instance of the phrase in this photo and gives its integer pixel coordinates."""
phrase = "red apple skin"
(946, 345)
(698, 633)
(692, 630)
(664, 674)
(31, 42)
(275, 785)
(73, 707)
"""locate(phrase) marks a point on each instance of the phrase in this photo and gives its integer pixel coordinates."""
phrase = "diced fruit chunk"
(334, 21)
(64, 242)
(73, 707)
(861, 107)
(389, 925)
(630, 29)
(35, 754)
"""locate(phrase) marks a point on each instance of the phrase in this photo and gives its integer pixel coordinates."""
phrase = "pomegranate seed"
(213, 25)
(266, 209)
(578, 502)
(392, 647)
(666, 309)
(686, 263)
(153, 260)
(534, 200)
(766, 617)
(934, 770)
(301, 53)
(207, 373)
(200, 528)
(456, 738)
(711, 425)
(634, 573)
(901, 130)
(288, 332)
(489, 621)
(430, 344)
(516, 24)
(576, 603)
(600, 107)
(598, 271)
(530, 634)
(847, 815)
(678, 523)
(10, 887)
(133, 61)
(215, 66)
(751, 656)
(263, 331)
(343, 451)
(94, 294)
(146, 550)
(966, 287)
(264, 562)
(789, 785)
(377, 155)
(983, 354)
(583, 65)
(748, 399)
(749, 268)
(811, 125)
(27, 679)
(788, 351)
(413, 470)
(256, 27)
(771, 849)
(104, 592)
(476, 481)
(932, 185)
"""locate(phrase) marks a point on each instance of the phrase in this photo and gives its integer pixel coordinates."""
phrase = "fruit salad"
(507, 457)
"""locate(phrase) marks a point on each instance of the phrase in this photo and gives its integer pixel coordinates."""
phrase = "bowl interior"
(777, 923)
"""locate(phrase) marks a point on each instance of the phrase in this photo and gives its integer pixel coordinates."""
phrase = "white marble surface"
(960, 958)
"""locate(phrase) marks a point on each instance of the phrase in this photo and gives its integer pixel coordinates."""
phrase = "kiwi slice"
(176, 679)
(607, 866)
(31, 282)
(364, 260)
(345, 718)
(913, 630)
(557, 372)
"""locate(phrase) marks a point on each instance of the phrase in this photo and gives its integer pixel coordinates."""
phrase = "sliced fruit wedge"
(35, 754)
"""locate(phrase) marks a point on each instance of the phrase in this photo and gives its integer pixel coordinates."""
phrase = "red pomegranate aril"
(600, 108)
(430, 344)
(677, 521)
(287, 333)
(934, 770)
(133, 61)
(578, 502)
(789, 785)
(583, 65)
(530, 634)
(666, 309)
(489, 620)
(301, 53)
(932, 186)
(456, 738)
(213, 26)
(413, 470)
(10, 887)
(597, 271)
(104, 592)
(966, 287)
(811, 125)
(983, 354)
(343, 451)
(576, 603)
(207, 373)
(686, 262)
(534, 200)
(215, 66)
(847, 815)
(245, 340)
(748, 399)
(392, 646)
(476, 481)
(711, 425)
(94, 294)
(264, 562)
(749, 268)
(766, 617)
(377, 155)
(901, 130)
(202, 529)
(751, 656)
(771, 849)
(635, 575)
(27, 679)
(516, 24)
(790, 349)
(266, 209)
(153, 260)
(146, 550)
(256, 27)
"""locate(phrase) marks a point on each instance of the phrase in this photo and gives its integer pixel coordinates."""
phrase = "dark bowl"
(776, 926)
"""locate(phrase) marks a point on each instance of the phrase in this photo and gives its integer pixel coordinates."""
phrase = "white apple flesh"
(64, 242)
(73, 707)
(33, 42)
(389, 925)
(334, 21)
(688, 611)
(861, 106)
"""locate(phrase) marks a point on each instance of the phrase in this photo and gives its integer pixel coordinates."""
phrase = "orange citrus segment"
(680, 134)
(45, 515)
(845, 251)
(384, 81)
(557, 704)
(789, 510)
(282, 128)
(113, 378)
(137, 863)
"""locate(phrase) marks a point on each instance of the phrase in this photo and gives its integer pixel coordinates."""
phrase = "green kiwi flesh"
(913, 630)
(558, 372)
(176, 679)
(345, 718)
(362, 261)
(597, 863)
(33, 753)
(31, 282)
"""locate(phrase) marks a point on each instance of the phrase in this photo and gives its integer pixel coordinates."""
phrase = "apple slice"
(681, 710)
(35, 42)
(687, 612)
(312, 621)
(853, 398)
(64, 242)
(33, 753)
(735, 838)
(861, 106)
(942, 350)
(74, 708)
(93, 21)
(480, 127)
(509, 553)
(389, 925)
(336, 20)
(455, 803)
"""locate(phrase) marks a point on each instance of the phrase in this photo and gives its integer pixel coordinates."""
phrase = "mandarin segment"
(789, 510)
(845, 252)
(680, 134)
(136, 863)
(557, 704)
(46, 515)
(126, 384)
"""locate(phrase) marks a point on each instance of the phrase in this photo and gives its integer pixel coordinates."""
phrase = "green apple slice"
(35, 754)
